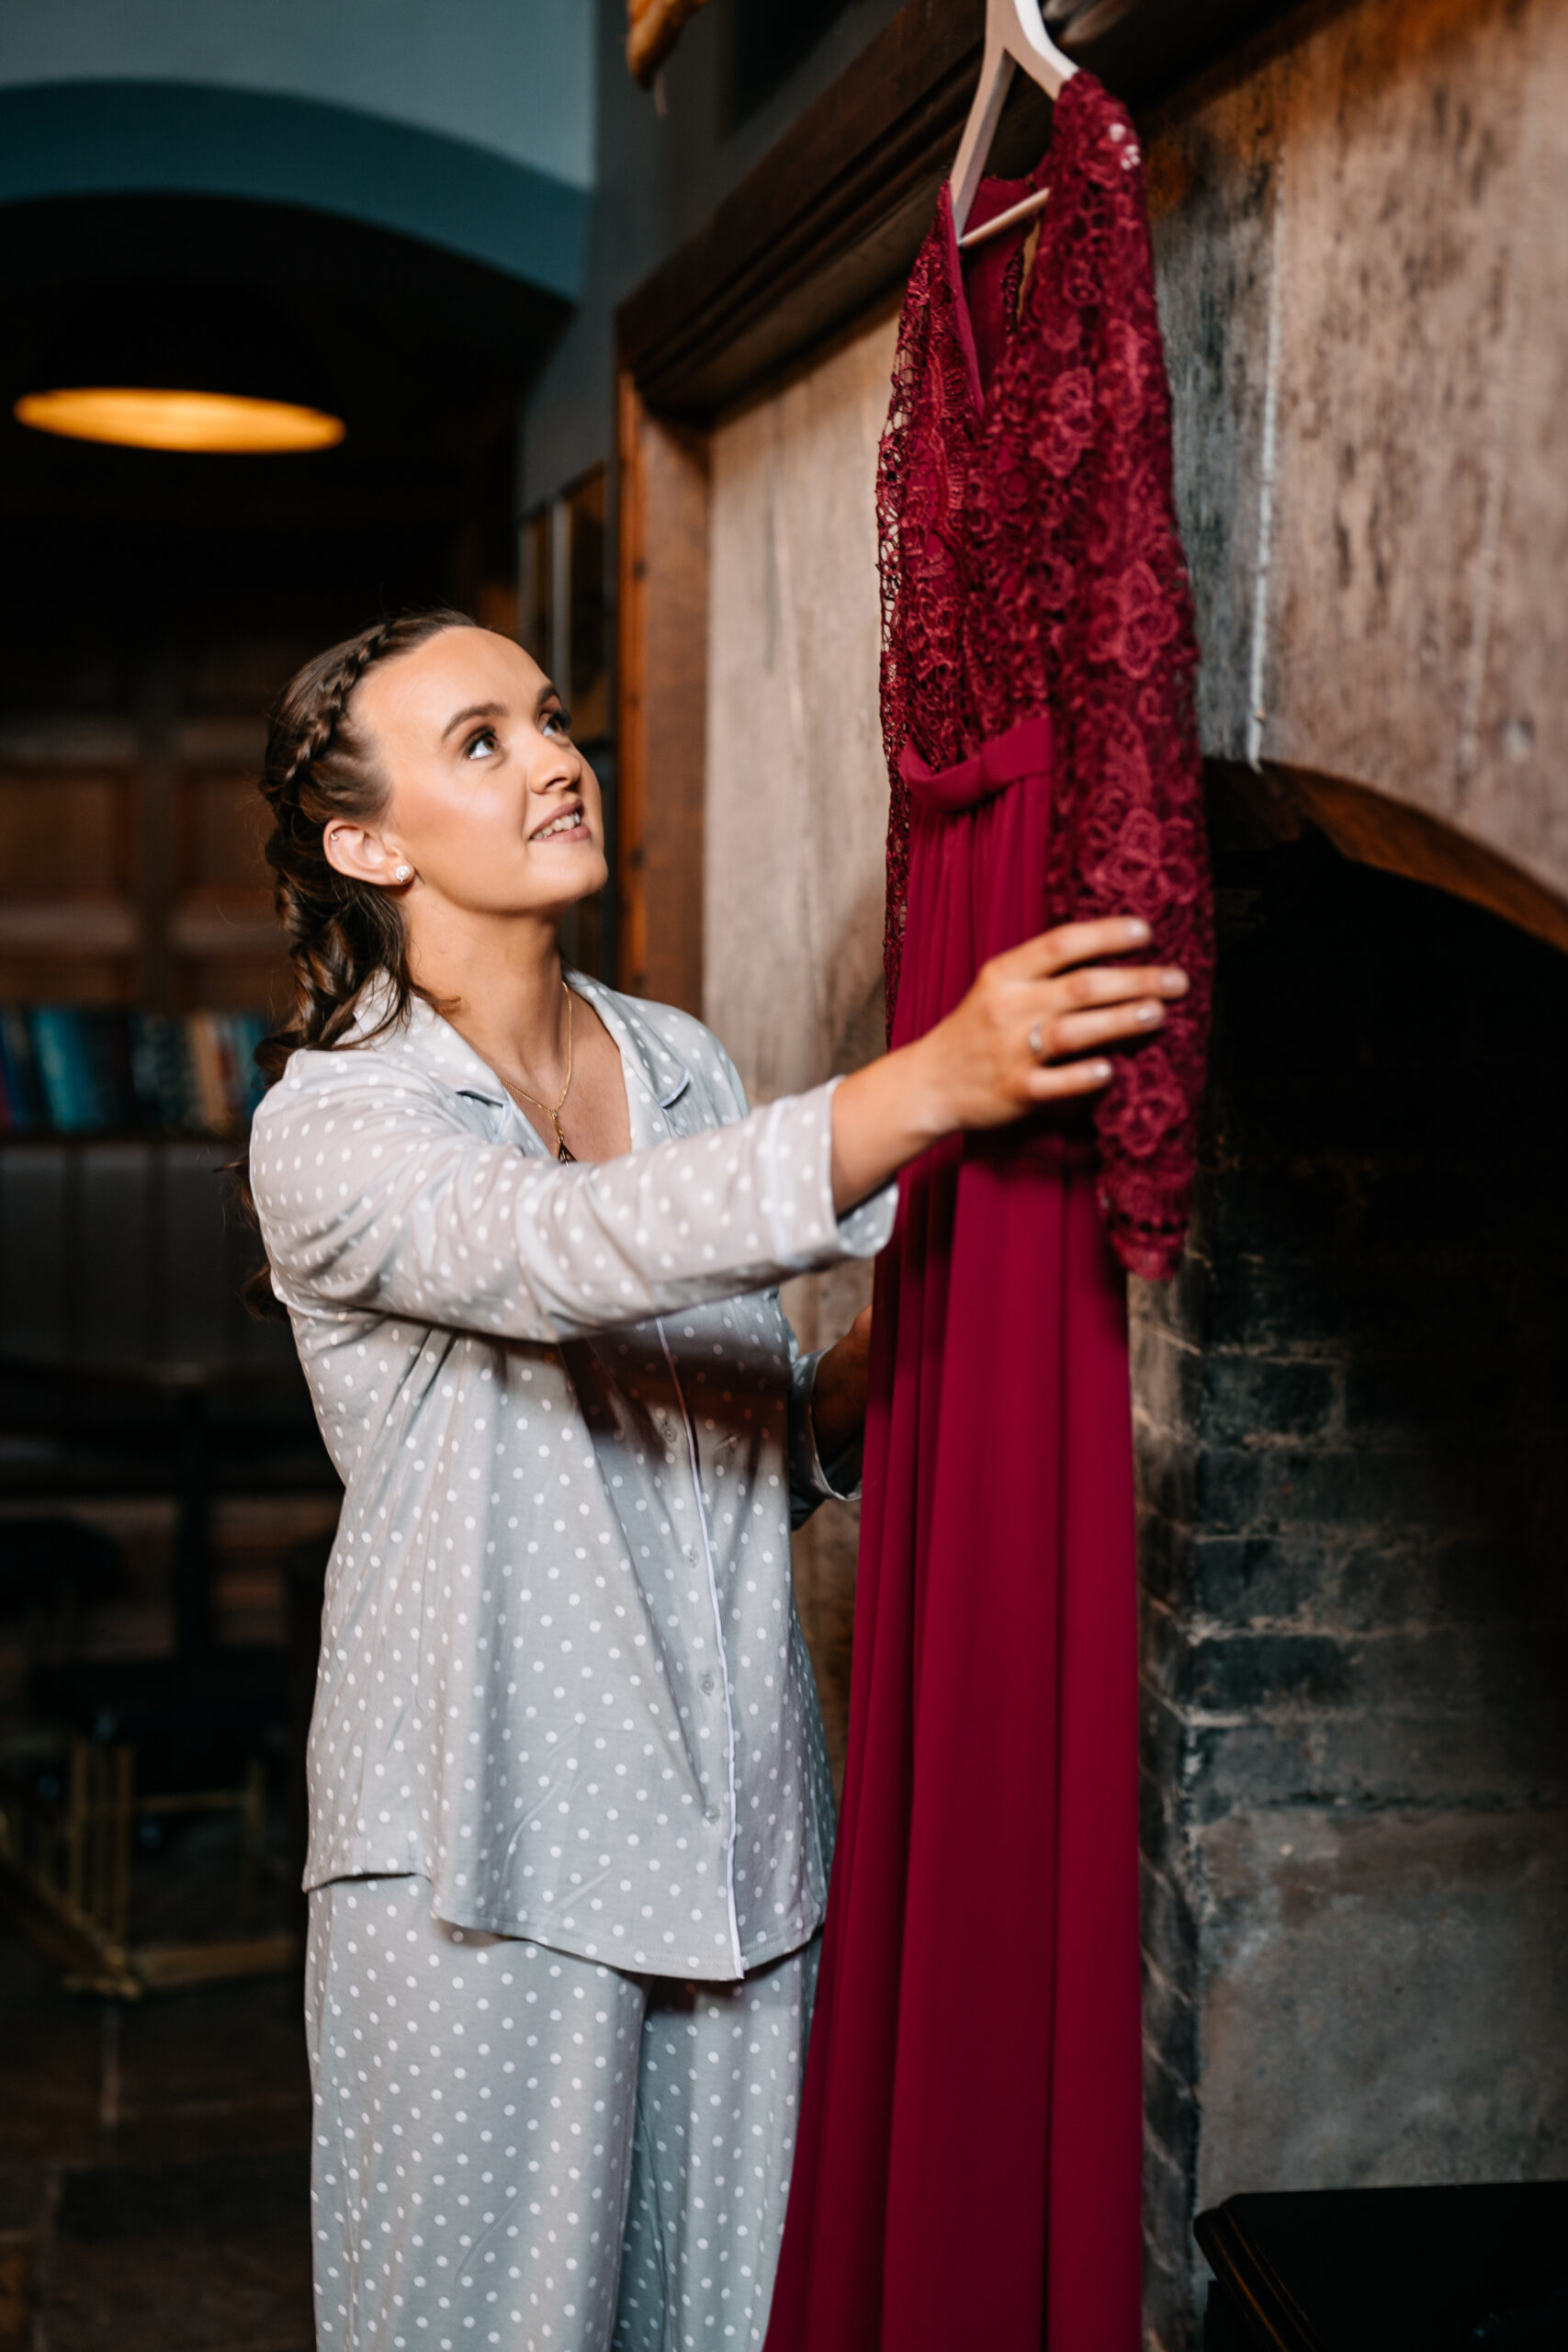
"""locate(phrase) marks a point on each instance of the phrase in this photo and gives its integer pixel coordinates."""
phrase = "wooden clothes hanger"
(1015, 35)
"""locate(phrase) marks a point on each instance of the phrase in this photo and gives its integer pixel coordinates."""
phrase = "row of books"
(86, 1070)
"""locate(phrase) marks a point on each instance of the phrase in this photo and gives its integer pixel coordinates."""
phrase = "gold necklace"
(553, 1116)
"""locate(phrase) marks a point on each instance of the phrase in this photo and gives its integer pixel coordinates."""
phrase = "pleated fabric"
(968, 2167)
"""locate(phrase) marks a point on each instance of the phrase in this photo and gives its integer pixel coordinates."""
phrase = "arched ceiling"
(469, 126)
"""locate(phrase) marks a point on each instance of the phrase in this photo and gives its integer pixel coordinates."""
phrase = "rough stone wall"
(1356, 1616)
(797, 811)
(1364, 288)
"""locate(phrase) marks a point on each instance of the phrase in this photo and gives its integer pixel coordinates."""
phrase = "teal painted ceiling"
(468, 124)
(515, 76)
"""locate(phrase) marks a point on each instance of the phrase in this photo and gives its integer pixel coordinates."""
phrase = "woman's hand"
(1017, 1040)
(838, 1400)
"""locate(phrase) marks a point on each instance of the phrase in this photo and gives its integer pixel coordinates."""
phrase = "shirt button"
(710, 1812)
(706, 1683)
(687, 1552)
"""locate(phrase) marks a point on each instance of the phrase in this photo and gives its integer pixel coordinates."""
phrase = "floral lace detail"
(1030, 561)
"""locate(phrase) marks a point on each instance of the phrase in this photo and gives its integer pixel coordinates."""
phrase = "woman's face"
(492, 803)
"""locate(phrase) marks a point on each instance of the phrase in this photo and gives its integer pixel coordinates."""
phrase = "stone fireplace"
(1354, 1486)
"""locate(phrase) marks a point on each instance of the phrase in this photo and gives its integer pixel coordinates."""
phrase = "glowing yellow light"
(216, 422)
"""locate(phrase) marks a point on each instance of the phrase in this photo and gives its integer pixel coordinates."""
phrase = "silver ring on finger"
(1037, 1042)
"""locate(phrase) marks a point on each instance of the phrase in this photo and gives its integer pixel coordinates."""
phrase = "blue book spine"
(60, 1062)
(22, 1088)
(250, 1028)
(160, 1056)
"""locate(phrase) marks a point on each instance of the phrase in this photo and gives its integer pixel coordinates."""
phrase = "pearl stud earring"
(403, 874)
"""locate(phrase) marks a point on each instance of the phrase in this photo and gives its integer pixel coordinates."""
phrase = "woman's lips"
(567, 826)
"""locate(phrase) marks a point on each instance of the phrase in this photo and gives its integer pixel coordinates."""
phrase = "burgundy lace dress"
(970, 2152)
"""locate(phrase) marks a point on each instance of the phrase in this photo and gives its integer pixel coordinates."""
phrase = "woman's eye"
(481, 745)
(556, 723)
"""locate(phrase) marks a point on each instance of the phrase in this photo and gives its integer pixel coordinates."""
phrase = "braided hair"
(341, 934)
(319, 766)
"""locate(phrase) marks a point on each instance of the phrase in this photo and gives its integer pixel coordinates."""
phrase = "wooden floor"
(153, 2166)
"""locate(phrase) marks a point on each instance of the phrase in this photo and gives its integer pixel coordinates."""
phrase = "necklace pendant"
(563, 1150)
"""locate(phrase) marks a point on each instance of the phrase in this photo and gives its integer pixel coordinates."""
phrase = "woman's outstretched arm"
(1017, 1039)
(980, 1067)
(375, 1195)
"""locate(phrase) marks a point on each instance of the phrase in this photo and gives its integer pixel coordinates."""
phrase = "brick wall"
(1353, 1473)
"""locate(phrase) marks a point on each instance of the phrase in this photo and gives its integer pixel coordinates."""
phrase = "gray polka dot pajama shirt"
(571, 1816)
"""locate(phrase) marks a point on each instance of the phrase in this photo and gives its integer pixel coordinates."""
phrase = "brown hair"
(320, 765)
(341, 934)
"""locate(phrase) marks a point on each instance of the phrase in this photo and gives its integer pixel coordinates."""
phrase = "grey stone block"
(1168, 2208)
(1292, 1487)
(1235, 1673)
(1384, 2000)
(1170, 2110)
(1164, 1556)
(1170, 2020)
(1357, 1762)
(1245, 1397)
(1239, 1579)
(1167, 1926)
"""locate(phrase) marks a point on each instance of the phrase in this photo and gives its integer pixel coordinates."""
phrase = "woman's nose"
(558, 766)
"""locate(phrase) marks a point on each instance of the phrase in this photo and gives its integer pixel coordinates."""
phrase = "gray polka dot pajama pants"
(514, 2148)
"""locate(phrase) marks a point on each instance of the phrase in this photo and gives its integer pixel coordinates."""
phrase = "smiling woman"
(570, 1813)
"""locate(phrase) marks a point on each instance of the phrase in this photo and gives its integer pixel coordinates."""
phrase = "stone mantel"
(1364, 289)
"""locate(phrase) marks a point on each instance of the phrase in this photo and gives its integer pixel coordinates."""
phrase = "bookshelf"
(126, 1250)
(136, 921)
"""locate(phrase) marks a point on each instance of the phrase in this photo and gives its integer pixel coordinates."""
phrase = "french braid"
(341, 934)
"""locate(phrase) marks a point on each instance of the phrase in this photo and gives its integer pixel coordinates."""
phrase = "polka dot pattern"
(561, 1674)
(516, 2147)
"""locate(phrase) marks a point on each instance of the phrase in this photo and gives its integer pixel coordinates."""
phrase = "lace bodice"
(1030, 563)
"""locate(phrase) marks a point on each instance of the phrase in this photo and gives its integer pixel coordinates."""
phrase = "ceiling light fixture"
(215, 423)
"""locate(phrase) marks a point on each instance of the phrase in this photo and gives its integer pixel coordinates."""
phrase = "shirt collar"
(651, 1067)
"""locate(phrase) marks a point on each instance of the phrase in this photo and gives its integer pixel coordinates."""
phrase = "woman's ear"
(365, 856)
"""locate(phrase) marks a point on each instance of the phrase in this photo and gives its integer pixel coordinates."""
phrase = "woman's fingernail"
(1100, 1069)
(1173, 983)
(1145, 1013)
(1137, 928)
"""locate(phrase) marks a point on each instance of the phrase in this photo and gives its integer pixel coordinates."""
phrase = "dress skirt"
(968, 2168)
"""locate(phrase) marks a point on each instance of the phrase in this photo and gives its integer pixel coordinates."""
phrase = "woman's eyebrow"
(475, 710)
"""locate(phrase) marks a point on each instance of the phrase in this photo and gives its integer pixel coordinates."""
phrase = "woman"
(570, 1819)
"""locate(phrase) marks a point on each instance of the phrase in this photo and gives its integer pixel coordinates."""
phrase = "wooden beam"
(1376, 829)
(834, 213)
(662, 697)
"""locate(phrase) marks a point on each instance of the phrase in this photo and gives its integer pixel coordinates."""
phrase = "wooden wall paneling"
(227, 951)
(37, 1194)
(117, 1190)
(68, 923)
(192, 1248)
(223, 824)
(662, 697)
(58, 833)
(158, 715)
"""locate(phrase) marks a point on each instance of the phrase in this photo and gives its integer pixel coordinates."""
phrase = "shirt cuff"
(812, 1481)
(808, 1232)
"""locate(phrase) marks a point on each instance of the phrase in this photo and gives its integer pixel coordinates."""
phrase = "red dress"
(969, 2159)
